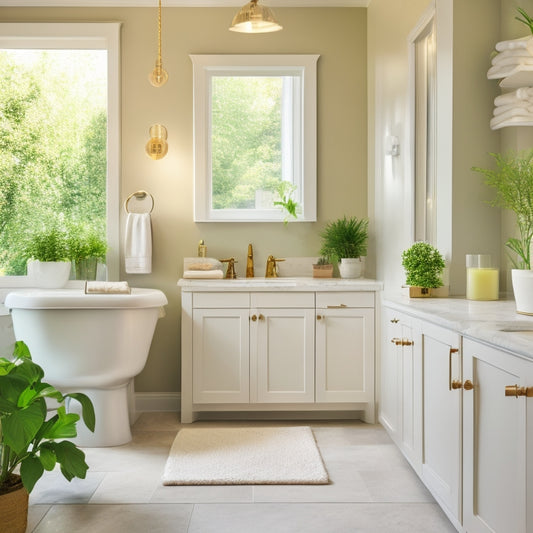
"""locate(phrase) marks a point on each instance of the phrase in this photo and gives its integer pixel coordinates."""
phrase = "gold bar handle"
(396, 341)
(341, 306)
(406, 342)
(516, 391)
(450, 383)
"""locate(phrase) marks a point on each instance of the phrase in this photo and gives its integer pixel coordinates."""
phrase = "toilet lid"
(77, 299)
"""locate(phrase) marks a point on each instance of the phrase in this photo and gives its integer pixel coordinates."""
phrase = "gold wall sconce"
(253, 18)
(157, 146)
(159, 75)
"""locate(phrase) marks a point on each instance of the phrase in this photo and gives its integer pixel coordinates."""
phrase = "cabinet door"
(345, 355)
(441, 460)
(282, 355)
(221, 356)
(498, 435)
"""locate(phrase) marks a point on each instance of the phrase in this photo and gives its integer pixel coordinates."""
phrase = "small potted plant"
(323, 268)
(513, 182)
(29, 439)
(48, 258)
(345, 240)
(86, 247)
(423, 266)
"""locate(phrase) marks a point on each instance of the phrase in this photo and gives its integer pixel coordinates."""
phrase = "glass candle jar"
(482, 279)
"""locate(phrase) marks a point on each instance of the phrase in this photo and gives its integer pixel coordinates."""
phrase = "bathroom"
(364, 44)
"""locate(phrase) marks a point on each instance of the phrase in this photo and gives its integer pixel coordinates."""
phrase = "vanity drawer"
(213, 300)
(283, 299)
(344, 299)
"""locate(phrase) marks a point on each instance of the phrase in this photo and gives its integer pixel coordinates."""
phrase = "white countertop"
(296, 284)
(496, 322)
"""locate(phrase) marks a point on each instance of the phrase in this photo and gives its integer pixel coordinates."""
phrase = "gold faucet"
(230, 271)
(271, 267)
(250, 262)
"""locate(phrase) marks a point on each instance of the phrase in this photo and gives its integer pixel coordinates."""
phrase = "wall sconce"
(159, 75)
(157, 146)
(392, 146)
(254, 19)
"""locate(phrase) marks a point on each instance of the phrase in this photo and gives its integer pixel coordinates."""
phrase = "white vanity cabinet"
(497, 441)
(278, 346)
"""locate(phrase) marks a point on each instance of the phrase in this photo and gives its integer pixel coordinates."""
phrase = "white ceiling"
(180, 3)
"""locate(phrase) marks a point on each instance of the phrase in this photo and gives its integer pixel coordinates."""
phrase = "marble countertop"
(289, 284)
(496, 322)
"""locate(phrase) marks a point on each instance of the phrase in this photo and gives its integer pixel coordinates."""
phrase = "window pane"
(246, 141)
(53, 137)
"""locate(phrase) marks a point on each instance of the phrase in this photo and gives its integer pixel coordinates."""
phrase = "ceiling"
(180, 3)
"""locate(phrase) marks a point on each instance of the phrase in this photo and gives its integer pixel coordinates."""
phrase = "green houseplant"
(345, 240)
(512, 179)
(48, 258)
(86, 247)
(28, 439)
(423, 266)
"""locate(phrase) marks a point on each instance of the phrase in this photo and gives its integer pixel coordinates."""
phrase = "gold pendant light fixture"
(159, 75)
(253, 18)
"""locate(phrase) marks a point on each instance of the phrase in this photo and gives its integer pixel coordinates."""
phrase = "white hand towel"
(503, 71)
(520, 95)
(513, 117)
(203, 274)
(525, 107)
(524, 42)
(138, 243)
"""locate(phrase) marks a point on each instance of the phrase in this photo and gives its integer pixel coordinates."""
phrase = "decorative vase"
(49, 274)
(14, 506)
(86, 268)
(523, 290)
(351, 267)
(322, 271)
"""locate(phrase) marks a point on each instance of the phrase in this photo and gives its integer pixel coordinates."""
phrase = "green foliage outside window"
(53, 123)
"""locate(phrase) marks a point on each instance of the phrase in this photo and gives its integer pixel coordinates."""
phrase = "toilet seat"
(77, 299)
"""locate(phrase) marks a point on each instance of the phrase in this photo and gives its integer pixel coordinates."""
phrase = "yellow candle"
(482, 283)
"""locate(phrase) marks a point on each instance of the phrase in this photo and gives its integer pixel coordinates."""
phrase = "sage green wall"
(337, 34)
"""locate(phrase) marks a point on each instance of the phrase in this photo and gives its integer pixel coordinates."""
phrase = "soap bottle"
(202, 249)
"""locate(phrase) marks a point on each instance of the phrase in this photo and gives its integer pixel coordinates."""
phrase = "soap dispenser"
(202, 249)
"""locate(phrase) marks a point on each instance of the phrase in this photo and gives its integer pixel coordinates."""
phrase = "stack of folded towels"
(512, 56)
(513, 109)
(202, 268)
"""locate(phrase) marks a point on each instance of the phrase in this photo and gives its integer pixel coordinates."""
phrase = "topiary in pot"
(423, 266)
(28, 439)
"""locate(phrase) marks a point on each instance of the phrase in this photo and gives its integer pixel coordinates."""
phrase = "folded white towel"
(512, 117)
(523, 106)
(138, 243)
(203, 274)
(502, 71)
(518, 53)
(521, 94)
(513, 44)
(107, 287)
(513, 60)
(513, 121)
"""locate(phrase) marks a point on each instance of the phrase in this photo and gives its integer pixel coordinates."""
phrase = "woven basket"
(14, 507)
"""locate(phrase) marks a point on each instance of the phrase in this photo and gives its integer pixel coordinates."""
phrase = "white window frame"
(303, 165)
(82, 36)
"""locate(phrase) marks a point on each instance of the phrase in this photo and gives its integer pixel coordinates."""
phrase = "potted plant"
(28, 439)
(86, 247)
(423, 266)
(345, 240)
(513, 182)
(48, 260)
(323, 268)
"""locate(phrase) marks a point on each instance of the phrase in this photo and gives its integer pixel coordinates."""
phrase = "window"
(59, 134)
(254, 137)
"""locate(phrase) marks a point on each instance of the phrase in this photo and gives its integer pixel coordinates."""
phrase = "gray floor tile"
(203, 494)
(54, 488)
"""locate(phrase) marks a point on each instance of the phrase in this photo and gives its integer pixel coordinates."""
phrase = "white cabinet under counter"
(278, 345)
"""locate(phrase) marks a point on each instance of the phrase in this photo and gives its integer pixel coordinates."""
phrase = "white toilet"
(90, 343)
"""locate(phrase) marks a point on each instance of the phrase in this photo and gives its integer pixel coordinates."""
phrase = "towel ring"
(139, 195)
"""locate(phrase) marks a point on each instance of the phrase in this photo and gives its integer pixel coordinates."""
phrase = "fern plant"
(513, 182)
(525, 19)
(345, 237)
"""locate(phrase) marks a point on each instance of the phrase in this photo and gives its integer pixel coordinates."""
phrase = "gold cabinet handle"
(341, 306)
(261, 317)
(395, 320)
(467, 385)
(516, 391)
(450, 384)
(396, 341)
(319, 317)
(401, 342)
(254, 318)
(407, 342)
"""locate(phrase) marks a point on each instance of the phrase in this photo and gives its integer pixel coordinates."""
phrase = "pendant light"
(253, 18)
(159, 75)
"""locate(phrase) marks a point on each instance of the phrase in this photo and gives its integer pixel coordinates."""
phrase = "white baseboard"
(157, 401)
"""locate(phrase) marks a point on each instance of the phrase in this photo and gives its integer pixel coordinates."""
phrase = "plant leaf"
(20, 427)
(31, 470)
(71, 459)
(64, 427)
(87, 409)
(47, 456)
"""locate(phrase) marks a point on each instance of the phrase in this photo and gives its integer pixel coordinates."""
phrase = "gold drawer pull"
(516, 391)
(319, 317)
(395, 320)
(341, 306)
(406, 342)
(396, 341)
(467, 385)
(452, 351)
(261, 317)
(254, 318)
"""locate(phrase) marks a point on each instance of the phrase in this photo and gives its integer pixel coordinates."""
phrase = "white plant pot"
(49, 274)
(351, 267)
(523, 290)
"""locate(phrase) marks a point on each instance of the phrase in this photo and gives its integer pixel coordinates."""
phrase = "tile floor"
(372, 489)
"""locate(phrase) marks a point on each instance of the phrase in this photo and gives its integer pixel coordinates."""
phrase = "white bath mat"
(242, 456)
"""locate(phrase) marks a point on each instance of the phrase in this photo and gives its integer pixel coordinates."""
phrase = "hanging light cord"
(159, 60)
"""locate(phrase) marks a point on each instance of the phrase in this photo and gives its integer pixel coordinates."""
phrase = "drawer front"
(212, 300)
(283, 299)
(344, 299)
